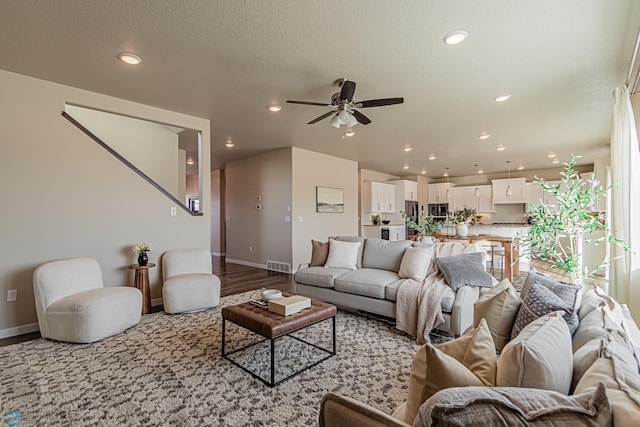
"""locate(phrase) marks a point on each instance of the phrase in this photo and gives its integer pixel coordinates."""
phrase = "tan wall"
(255, 236)
(134, 139)
(311, 169)
(64, 196)
(217, 213)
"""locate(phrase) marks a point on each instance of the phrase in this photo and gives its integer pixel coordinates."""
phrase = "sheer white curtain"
(625, 203)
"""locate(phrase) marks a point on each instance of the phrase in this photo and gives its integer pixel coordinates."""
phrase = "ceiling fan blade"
(324, 116)
(321, 104)
(379, 102)
(347, 91)
(361, 118)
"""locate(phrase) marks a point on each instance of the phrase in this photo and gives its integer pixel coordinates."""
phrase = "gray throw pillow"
(464, 270)
(489, 406)
(568, 292)
(538, 302)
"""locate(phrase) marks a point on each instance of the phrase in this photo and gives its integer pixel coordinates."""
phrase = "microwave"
(438, 210)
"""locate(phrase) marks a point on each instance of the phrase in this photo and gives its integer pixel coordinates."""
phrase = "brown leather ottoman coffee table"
(273, 326)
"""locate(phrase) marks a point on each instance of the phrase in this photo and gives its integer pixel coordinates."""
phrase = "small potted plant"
(375, 218)
(141, 249)
(426, 225)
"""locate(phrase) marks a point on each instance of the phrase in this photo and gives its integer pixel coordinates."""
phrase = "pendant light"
(509, 190)
(477, 190)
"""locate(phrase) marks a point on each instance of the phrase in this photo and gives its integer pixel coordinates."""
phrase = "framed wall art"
(329, 200)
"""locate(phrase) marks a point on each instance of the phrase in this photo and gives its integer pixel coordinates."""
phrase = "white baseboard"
(247, 263)
(19, 330)
(218, 253)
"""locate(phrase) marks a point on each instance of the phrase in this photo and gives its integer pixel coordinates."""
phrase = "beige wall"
(254, 236)
(311, 169)
(217, 213)
(65, 196)
(134, 139)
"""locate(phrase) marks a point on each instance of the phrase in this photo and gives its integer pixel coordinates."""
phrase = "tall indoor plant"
(560, 228)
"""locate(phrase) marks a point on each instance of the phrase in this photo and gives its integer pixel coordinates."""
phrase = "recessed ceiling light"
(432, 157)
(229, 144)
(455, 37)
(521, 167)
(405, 167)
(551, 155)
(407, 148)
(130, 58)
(556, 160)
(190, 162)
(446, 172)
(275, 108)
(480, 171)
(423, 171)
(484, 136)
(502, 98)
(501, 148)
(349, 133)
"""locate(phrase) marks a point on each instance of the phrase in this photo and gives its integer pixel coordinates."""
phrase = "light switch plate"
(12, 295)
(174, 211)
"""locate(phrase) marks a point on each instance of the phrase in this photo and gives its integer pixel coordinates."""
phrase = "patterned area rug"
(168, 370)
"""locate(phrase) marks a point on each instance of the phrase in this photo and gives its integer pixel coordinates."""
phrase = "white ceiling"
(228, 60)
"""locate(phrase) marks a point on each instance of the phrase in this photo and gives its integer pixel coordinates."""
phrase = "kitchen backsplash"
(513, 213)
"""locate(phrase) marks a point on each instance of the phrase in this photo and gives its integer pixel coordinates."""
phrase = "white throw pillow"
(539, 357)
(415, 263)
(342, 254)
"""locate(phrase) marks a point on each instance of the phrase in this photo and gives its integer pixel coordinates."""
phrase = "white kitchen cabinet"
(465, 197)
(441, 193)
(533, 193)
(379, 197)
(395, 232)
(517, 190)
(406, 190)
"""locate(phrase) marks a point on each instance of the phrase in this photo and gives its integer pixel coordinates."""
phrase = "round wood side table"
(141, 281)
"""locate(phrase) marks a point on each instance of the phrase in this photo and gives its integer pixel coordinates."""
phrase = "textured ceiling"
(228, 60)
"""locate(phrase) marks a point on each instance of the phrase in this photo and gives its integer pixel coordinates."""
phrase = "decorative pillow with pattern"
(538, 302)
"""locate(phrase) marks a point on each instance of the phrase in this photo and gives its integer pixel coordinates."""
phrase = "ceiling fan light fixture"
(335, 121)
(352, 121)
(344, 117)
(455, 37)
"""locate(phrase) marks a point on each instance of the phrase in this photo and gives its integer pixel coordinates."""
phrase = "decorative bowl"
(386, 221)
(270, 294)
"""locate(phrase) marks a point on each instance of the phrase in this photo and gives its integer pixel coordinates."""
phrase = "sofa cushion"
(598, 323)
(590, 301)
(622, 387)
(319, 276)
(568, 292)
(499, 307)
(464, 269)
(466, 361)
(343, 254)
(415, 263)
(384, 254)
(539, 357)
(538, 302)
(319, 253)
(611, 345)
(512, 406)
(633, 333)
(367, 282)
(352, 239)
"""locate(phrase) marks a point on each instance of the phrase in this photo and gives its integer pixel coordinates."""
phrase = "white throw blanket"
(419, 304)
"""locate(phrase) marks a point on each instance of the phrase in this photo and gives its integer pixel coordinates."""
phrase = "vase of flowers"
(461, 218)
(141, 250)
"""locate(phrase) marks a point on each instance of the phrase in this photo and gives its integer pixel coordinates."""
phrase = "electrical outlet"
(250, 248)
(12, 295)
(174, 211)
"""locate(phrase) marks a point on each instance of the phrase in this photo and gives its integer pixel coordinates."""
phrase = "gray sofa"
(373, 285)
(605, 351)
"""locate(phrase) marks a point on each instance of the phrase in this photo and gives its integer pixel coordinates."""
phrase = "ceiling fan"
(344, 106)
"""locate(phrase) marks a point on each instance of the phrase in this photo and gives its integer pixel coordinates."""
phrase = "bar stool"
(495, 252)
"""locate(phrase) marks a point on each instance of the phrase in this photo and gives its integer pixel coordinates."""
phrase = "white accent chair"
(189, 284)
(73, 305)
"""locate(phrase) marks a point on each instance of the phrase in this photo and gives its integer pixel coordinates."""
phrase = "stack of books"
(287, 306)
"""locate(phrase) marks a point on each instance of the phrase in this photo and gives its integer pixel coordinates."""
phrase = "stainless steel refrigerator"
(411, 209)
